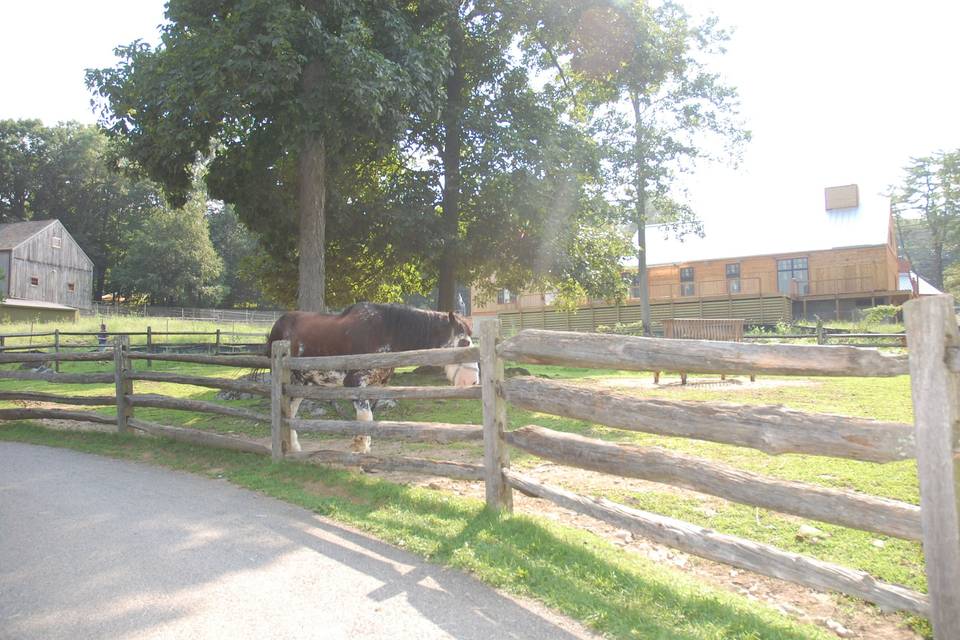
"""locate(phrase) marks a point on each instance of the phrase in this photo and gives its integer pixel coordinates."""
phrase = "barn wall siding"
(54, 267)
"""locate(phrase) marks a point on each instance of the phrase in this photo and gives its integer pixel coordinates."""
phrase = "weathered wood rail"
(933, 364)
(282, 422)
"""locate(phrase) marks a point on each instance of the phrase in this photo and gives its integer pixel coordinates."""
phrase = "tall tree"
(282, 94)
(927, 206)
(170, 258)
(23, 146)
(515, 182)
(233, 242)
(640, 70)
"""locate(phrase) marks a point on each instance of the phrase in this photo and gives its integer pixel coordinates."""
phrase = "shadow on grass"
(618, 594)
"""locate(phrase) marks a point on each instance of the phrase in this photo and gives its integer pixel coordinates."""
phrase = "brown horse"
(369, 328)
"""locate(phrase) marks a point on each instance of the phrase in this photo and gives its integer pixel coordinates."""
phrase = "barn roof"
(789, 227)
(13, 234)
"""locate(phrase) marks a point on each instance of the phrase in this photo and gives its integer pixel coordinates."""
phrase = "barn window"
(71, 287)
(56, 241)
(34, 281)
(686, 274)
(504, 296)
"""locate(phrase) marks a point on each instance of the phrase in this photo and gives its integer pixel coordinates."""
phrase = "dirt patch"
(791, 600)
(701, 383)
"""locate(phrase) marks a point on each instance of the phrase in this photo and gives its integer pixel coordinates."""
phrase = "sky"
(834, 91)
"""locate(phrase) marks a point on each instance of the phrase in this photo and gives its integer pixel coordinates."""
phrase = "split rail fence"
(933, 364)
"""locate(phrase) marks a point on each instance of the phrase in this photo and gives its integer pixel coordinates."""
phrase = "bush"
(881, 313)
(622, 328)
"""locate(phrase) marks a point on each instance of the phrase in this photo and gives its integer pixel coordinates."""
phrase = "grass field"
(139, 325)
(619, 594)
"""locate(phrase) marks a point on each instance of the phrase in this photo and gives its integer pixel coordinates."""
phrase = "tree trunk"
(643, 277)
(311, 205)
(311, 202)
(450, 156)
(640, 219)
(937, 263)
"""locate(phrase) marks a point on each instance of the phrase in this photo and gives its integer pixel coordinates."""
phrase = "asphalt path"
(92, 547)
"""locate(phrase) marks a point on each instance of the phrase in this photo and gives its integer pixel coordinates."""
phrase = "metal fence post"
(496, 456)
(121, 362)
(932, 335)
(279, 403)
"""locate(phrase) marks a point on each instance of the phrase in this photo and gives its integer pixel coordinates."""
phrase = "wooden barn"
(47, 276)
(828, 261)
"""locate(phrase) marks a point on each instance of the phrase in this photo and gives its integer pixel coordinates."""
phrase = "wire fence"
(248, 316)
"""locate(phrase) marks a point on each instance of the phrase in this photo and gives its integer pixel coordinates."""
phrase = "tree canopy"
(927, 209)
(644, 89)
(281, 95)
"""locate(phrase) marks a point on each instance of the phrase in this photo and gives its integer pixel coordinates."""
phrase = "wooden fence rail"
(845, 508)
(738, 552)
(771, 429)
(933, 363)
(934, 360)
(700, 356)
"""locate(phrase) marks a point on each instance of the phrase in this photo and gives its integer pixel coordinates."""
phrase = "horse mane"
(408, 327)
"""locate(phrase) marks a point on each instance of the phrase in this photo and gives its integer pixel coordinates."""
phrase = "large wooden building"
(45, 272)
(829, 264)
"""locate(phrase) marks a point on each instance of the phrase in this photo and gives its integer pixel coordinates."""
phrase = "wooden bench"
(725, 329)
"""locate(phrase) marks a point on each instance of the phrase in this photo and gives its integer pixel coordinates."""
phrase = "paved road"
(92, 547)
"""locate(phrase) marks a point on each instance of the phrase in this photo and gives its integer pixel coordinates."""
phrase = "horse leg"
(294, 440)
(361, 444)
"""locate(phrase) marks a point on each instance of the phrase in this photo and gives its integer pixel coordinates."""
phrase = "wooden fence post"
(124, 384)
(149, 344)
(931, 331)
(56, 349)
(216, 349)
(496, 456)
(279, 403)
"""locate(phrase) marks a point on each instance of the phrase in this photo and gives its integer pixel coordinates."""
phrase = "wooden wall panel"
(55, 267)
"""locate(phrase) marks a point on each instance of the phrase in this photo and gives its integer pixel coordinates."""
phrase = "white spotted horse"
(369, 328)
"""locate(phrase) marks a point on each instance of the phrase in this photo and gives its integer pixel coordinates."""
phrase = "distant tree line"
(141, 247)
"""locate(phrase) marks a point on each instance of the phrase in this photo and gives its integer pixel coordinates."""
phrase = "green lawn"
(139, 325)
(619, 594)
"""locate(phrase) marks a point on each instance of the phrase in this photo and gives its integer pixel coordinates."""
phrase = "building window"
(733, 270)
(635, 290)
(56, 241)
(793, 276)
(504, 296)
(687, 288)
(34, 281)
(71, 287)
(733, 285)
